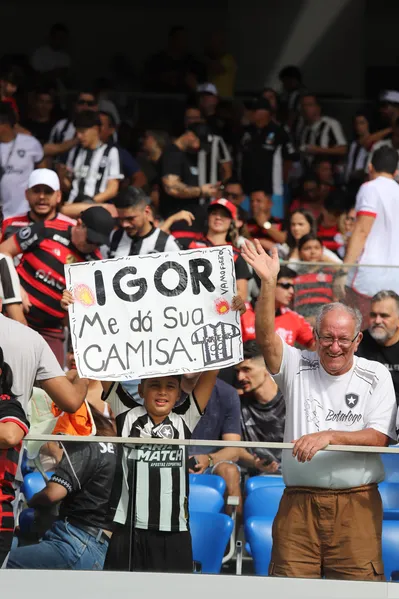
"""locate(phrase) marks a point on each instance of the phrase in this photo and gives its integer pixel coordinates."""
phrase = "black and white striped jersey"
(209, 161)
(10, 288)
(151, 481)
(357, 159)
(92, 169)
(155, 241)
(326, 133)
(63, 130)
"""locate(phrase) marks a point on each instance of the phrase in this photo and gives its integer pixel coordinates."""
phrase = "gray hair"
(386, 294)
(353, 312)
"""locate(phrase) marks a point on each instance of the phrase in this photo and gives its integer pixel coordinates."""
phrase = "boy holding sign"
(150, 494)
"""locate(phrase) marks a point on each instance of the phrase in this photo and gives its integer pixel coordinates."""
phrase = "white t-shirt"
(316, 401)
(18, 159)
(46, 59)
(378, 198)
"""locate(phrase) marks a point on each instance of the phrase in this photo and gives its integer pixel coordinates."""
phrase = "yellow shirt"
(225, 82)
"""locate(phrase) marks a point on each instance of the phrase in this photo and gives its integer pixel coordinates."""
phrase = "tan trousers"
(330, 533)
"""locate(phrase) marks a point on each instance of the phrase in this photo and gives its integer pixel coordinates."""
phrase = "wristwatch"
(267, 225)
(210, 458)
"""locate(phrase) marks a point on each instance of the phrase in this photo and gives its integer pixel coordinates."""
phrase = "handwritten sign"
(157, 314)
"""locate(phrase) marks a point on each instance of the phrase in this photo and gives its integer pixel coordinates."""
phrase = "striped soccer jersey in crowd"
(46, 248)
(209, 162)
(357, 159)
(63, 130)
(151, 481)
(92, 169)
(155, 241)
(326, 133)
(313, 290)
(11, 225)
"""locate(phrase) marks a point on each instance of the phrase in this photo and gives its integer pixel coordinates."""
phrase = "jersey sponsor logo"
(70, 259)
(194, 170)
(46, 277)
(24, 245)
(161, 456)
(107, 448)
(61, 240)
(312, 408)
(21, 153)
(25, 232)
(351, 400)
(306, 364)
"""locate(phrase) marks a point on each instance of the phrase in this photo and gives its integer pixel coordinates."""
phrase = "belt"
(97, 533)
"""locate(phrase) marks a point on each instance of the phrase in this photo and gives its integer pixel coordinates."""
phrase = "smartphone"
(192, 463)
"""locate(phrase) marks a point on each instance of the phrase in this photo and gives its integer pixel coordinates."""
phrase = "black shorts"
(149, 551)
(5, 545)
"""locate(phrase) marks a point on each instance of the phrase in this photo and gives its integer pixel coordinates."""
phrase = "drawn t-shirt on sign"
(216, 341)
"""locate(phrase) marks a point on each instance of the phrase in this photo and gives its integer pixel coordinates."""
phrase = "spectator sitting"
(327, 229)
(346, 227)
(301, 222)
(136, 234)
(393, 142)
(14, 425)
(381, 341)
(310, 198)
(262, 225)
(41, 121)
(82, 484)
(314, 285)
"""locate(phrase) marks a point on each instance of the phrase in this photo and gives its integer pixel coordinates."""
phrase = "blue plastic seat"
(33, 483)
(209, 480)
(25, 520)
(258, 533)
(266, 480)
(391, 466)
(389, 495)
(210, 534)
(390, 547)
(263, 502)
(205, 499)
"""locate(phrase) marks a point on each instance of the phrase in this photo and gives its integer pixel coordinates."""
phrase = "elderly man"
(330, 517)
(381, 341)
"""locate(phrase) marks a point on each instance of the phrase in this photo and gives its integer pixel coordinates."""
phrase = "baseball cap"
(44, 176)
(207, 88)
(226, 204)
(99, 223)
(390, 96)
(262, 104)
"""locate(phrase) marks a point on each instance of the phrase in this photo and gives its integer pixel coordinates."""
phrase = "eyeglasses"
(286, 285)
(86, 103)
(343, 343)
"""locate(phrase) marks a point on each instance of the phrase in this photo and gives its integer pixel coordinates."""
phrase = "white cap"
(44, 176)
(207, 88)
(390, 95)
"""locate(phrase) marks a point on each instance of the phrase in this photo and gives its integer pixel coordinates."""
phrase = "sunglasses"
(285, 285)
(233, 196)
(86, 103)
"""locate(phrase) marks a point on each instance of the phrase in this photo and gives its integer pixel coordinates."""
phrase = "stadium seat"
(26, 519)
(389, 495)
(205, 499)
(209, 480)
(263, 502)
(25, 468)
(391, 466)
(33, 483)
(210, 534)
(258, 533)
(266, 480)
(390, 548)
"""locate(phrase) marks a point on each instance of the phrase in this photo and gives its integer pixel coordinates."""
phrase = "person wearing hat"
(264, 151)
(46, 247)
(222, 230)
(44, 198)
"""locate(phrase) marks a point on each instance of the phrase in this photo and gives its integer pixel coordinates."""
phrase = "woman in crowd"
(222, 230)
(301, 222)
(81, 484)
(13, 428)
(314, 284)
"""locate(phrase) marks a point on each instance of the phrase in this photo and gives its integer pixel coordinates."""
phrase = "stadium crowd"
(312, 221)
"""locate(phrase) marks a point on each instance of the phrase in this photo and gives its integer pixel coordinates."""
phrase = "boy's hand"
(238, 305)
(67, 299)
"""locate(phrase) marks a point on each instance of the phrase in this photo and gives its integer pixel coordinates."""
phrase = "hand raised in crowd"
(185, 215)
(266, 267)
(238, 305)
(67, 299)
(308, 445)
(209, 190)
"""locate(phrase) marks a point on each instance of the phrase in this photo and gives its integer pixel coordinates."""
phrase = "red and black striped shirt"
(258, 232)
(10, 411)
(46, 248)
(14, 223)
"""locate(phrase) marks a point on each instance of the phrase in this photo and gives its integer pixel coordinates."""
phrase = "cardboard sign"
(144, 316)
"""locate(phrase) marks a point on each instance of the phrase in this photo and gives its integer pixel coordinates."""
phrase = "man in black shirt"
(262, 407)
(381, 341)
(264, 148)
(180, 187)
